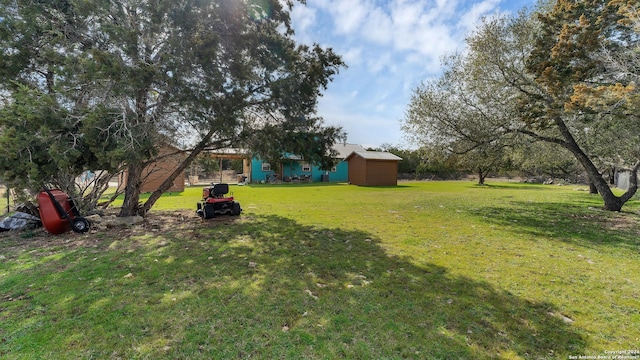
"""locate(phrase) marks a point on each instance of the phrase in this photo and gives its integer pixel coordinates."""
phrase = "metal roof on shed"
(375, 155)
(345, 149)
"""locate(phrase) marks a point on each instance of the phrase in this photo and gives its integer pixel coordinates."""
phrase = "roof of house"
(345, 149)
(228, 153)
(375, 155)
(290, 156)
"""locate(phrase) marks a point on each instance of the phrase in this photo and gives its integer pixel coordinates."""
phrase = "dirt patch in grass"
(622, 221)
(625, 224)
(186, 220)
(155, 222)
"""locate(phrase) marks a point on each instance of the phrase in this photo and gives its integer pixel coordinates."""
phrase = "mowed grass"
(425, 270)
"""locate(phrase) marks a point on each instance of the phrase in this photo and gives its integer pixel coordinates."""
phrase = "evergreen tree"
(199, 74)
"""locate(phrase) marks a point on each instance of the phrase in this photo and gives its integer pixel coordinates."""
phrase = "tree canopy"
(544, 75)
(198, 74)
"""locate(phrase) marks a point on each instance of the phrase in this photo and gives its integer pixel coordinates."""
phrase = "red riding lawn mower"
(214, 202)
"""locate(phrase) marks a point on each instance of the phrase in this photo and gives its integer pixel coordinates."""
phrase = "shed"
(373, 168)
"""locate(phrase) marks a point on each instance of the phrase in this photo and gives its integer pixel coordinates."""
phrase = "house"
(168, 159)
(373, 168)
(369, 168)
(294, 168)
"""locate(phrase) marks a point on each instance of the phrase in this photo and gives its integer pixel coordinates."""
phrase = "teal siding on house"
(294, 168)
(257, 173)
(341, 174)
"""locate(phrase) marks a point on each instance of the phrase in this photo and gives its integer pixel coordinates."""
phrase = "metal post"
(220, 168)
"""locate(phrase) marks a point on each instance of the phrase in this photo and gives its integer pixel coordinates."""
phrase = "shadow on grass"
(578, 222)
(513, 186)
(261, 287)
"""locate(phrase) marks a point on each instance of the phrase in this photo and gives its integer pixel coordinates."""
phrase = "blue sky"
(389, 47)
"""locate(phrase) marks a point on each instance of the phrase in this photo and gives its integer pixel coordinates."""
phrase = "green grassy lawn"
(425, 270)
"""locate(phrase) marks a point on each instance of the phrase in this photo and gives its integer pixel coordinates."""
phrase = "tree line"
(533, 162)
(559, 79)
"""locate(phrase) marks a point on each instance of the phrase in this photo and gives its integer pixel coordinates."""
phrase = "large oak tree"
(528, 75)
(564, 62)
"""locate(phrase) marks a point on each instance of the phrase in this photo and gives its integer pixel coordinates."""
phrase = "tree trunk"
(132, 190)
(612, 176)
(592, 188)
(166, 184)
(611, 201)
(481, 176)
(183, 165)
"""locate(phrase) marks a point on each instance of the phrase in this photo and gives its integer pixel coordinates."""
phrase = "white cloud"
(352, 56)
(348, 15)
(406, 15)
(304, 18)
(409, 27)
(390, 46)
(378, 28)
(429, 28)
(472, 17)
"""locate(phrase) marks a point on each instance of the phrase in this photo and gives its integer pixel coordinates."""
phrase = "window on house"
(306, 167)
(334, 169)
(266, 166)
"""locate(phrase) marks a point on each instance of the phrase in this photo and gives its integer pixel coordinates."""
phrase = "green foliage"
(206, 164)
(237, 165)
(411, 159)
(529, 159)
(565, 61)
(42, 143)
(300, 137)
(543, 160)
(531, 76)
(427, 162)
(571, 32)
(200, 75)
